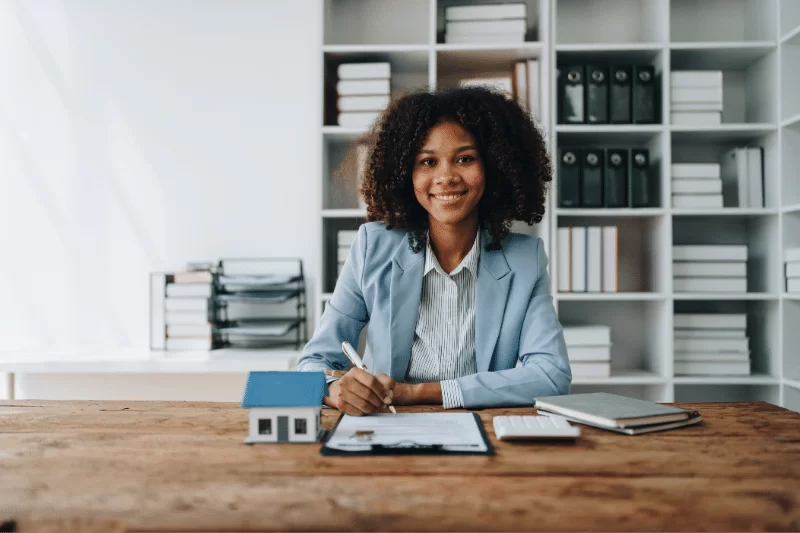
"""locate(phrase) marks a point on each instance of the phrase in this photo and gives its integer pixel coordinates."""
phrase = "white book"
(364, 71)
(578, 255)
(357, 119)
(197, 276)
(722, 357)
(362, 103)
(695, 171)
(595, 369)
(683, 344)
(755, 177)
(188, 343)
(710, 320)
(564, 262)
(534, 92)
(362, 87)
(472, 27)
(485, 38)
(174, 318)
(485, 12)
(697, 201)
(734, 172)
(521, 84)
(502, 84)
(610, 259)
(709, 284)
(713, 269)
(346, 237)
(792, 284)
(695, 78)
(188, 330)
(695, 95)
(708, 368)
(709, 252)
(710, 333)
(587, 336)
(158, 282)
(791, 255)
(793, 270)
(697, 186)
(588, 353)
(691, 107)
(695, 118)
(189, 290)
(594, 264)
(186, 304)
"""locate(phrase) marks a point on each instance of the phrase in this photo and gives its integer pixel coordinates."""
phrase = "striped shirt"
(444, 338)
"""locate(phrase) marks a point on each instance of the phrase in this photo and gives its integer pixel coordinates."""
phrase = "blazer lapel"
(405, 293)
(494, 282)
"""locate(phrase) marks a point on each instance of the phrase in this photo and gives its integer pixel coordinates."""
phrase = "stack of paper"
(696, 97)
(187, 308)
(364, 91)
(709, 268)
(588, 259)
(489, 23)
(589, 351)
(792, 258)
(714, 344)
(696, 185)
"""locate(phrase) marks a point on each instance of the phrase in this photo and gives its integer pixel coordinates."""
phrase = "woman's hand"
(402, 393)
(358, 392)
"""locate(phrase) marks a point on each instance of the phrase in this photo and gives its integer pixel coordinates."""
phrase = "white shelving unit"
(756, 43)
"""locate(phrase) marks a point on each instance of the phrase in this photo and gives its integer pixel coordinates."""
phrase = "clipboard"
(406, 448)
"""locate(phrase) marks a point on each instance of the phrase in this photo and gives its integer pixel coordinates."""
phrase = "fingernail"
(388, 399)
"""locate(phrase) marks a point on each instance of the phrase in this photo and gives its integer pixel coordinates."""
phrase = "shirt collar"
(470, 261)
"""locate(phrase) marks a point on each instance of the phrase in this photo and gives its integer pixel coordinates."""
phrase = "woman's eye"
(466, 159)
(427, 162)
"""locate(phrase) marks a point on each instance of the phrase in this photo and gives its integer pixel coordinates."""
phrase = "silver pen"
(351, 354)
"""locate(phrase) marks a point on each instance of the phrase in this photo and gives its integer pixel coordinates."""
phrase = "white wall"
(135, 136)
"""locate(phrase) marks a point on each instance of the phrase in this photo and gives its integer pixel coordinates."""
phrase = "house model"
(284, 406)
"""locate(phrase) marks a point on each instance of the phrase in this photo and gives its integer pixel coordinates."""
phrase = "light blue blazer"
(381, 284)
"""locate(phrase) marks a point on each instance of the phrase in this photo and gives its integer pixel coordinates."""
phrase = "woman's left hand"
(403, 393)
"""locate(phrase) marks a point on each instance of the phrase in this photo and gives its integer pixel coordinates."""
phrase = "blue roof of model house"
(284, 389)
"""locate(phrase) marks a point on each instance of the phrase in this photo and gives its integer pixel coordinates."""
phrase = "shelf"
(609, 296)
(733, 55)
(792, 383)
(688, 296)
(788, 209)
(373, 48)
(325, 296)
(609, 128)
(728, 212)
(722, 132)
(341, 133)
(754, 379)
(608, 47)
(608, 52)
(610, 212)
(607, 133)
(791, 296)
(791, 121)
(522, 50)
(624, 377)
(790, 35)
(344, 213)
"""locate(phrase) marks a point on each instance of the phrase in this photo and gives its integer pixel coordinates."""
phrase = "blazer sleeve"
(344, 317)
(545, 368)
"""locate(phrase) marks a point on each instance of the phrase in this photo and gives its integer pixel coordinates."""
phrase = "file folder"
(644, 94)
(592, 178)
(640, 193)
(596, 95)
(569, 178)
(616, 178)
(571, 94)
(620, 97)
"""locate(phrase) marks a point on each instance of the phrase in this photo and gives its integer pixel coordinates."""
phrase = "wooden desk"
(117, 466)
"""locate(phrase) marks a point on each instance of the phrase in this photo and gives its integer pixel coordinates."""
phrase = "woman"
(452, 298)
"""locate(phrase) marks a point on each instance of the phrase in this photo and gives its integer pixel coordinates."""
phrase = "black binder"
(620, 99)
(571, 91)
(640, 193)
(596, 95)
(616, 178)
(592, 178)
(569, 178)
(644, 94)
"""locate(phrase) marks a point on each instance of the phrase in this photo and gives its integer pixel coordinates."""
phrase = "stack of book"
(792, 258)
(616, 413)
(742, 172)
(696, 97)
(709, 268)
(589, 351)
(598, 177)
(696, 185)
(522, 85)
(363, 91)
(588, 259)
(488, 23)
(713, 344)
(181, 308)
(344, 240)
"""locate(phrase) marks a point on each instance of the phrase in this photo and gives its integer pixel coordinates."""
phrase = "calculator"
(532, 427)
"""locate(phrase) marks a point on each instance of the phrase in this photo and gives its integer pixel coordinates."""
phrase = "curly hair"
(517, 167)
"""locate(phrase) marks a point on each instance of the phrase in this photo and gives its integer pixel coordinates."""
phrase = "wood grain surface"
(182, 466)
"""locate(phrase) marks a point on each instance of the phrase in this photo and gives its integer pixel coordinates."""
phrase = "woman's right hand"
(358, 392)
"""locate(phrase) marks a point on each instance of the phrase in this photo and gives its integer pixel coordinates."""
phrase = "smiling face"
(448, 175)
